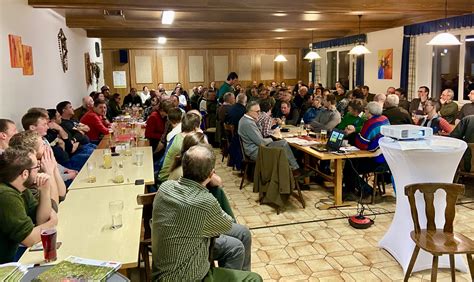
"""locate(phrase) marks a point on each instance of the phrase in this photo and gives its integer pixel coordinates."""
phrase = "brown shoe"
(296, 173)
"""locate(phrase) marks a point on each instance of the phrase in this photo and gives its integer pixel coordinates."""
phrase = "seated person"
(394, 113)
(73, 127)
(191, 123)
(417, 104)
(7, 130)
(175, 116)
(329, 117)
(314, 110)
(31, 140)
(214, 186)
(132, 99)
(439, 125)
(467, 109)
(265, 122)
(367, 139)
(22, 217)
(114, 109)
(465, 131)
(185, 218)
(402, 97)
(156, 124)
(354, 119)
(95, 119)
(449, 108)
(288, 113)
(87, 104)
(252, 138)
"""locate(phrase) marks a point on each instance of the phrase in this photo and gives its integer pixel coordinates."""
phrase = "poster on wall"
(120, 79)
(196, 69)
(16, 52)
(267, 67)
(27, 60)
(221, 68)
(143, 71)
(170, 67)
(385, 64)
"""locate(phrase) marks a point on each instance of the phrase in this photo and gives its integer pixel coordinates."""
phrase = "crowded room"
(236, 141)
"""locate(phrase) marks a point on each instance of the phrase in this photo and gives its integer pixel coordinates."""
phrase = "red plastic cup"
(48, 238)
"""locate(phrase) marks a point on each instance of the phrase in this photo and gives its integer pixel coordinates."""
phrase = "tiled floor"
(319, 245)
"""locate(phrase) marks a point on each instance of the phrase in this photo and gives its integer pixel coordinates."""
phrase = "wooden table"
(104, 176)
(338, 160)
(84, 226)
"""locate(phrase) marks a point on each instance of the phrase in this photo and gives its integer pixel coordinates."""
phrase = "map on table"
(12, 272)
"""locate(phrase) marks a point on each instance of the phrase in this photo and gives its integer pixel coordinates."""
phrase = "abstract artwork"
(16, 52)
(27, 60)
(385, 64)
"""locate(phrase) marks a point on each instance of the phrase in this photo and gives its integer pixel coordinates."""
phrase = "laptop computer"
(334, 143)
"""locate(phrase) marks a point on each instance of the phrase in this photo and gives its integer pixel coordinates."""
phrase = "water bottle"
(301, 127)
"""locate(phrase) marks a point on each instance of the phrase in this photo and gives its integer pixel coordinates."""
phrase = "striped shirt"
(368, 138)
(185, 217)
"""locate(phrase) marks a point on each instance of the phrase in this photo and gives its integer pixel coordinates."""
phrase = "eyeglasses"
(35, 167)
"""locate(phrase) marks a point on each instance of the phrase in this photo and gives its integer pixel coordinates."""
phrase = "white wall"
(380, 40)
(49, 84)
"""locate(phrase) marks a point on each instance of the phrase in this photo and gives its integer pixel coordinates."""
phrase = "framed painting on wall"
(27, 60)
(16, 52)
(385, 64)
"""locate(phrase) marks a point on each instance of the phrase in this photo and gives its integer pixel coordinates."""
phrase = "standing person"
(22, 216)
(228, 85)
(185, 218)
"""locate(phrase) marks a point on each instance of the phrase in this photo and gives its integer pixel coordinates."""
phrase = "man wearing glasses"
(22, 216)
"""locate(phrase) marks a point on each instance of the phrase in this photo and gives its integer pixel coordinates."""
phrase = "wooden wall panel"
(111, 64)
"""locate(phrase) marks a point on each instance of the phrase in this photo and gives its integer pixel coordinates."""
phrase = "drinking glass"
(91, 178)
(48, 238)
(128, 149)
(324, 136)
(116, 208)
(307, 128)
(107, 159)
(139, 158)
(118, 172)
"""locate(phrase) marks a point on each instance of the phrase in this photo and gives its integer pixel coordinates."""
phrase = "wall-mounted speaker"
(123, 56)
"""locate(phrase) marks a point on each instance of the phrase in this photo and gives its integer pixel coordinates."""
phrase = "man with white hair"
(449, 108)
(87, 104)
(394, 113)
(367, 139)
(380, 98)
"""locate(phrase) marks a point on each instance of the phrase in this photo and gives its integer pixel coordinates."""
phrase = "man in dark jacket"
(394, 113)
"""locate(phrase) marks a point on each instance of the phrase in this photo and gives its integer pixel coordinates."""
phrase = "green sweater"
(17, 219)
(226, 87)
(173, 151)
(449, 111)
(356, 121)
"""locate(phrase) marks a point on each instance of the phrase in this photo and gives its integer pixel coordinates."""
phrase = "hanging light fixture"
(359, 49)
(312, 55)
(444, 38)
(280, 57)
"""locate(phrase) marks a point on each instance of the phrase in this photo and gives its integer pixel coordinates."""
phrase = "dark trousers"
(351, 174)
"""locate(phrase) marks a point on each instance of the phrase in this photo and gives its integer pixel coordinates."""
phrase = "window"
(445, 70)
(468, 84)
(339, 69)
(344, 68)
(331, 69)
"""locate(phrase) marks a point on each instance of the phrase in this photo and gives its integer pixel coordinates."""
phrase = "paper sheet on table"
(301, 142)
(414, 145)
(445, 143)
(349, 149)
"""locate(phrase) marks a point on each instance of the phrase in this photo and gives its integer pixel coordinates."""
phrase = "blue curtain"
(360, 70)
(405, 63)
(313, 72)
(340, 41)
(439, 25)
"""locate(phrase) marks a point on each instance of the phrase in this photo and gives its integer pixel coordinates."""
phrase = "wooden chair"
(246, 163)
(438, 241)
(146, 200)
(378, 186)
(461, 173)
(228, 135)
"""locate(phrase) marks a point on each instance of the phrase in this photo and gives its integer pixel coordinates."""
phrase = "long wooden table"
(338, 161)
(104, 176)
(84, 226)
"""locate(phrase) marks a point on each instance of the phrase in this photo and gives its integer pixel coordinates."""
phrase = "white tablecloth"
(437, 164)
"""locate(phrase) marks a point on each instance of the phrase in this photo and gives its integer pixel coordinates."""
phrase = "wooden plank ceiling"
(244, 22)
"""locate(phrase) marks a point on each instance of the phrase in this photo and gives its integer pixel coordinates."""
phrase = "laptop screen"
(335, 140)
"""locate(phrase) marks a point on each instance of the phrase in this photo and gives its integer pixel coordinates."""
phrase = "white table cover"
(437, 164)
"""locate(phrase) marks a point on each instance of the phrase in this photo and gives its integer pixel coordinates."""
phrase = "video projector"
(406, 131)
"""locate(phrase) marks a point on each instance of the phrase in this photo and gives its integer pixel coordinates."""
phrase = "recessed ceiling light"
(167, 17)
(161, 40)
(279, 30)
(280, 14)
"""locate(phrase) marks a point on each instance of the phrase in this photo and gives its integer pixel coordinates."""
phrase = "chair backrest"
(146, 200)
(229, 130)
(428, 190)
(471, 148)
(244, 155)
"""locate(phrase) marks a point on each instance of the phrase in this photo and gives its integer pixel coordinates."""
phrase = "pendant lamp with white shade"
(280, 58)
(312, 55)
(359, 49)
(445, 38)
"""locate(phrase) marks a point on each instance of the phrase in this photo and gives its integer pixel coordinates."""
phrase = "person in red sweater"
(95, 119)
(156, 123)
